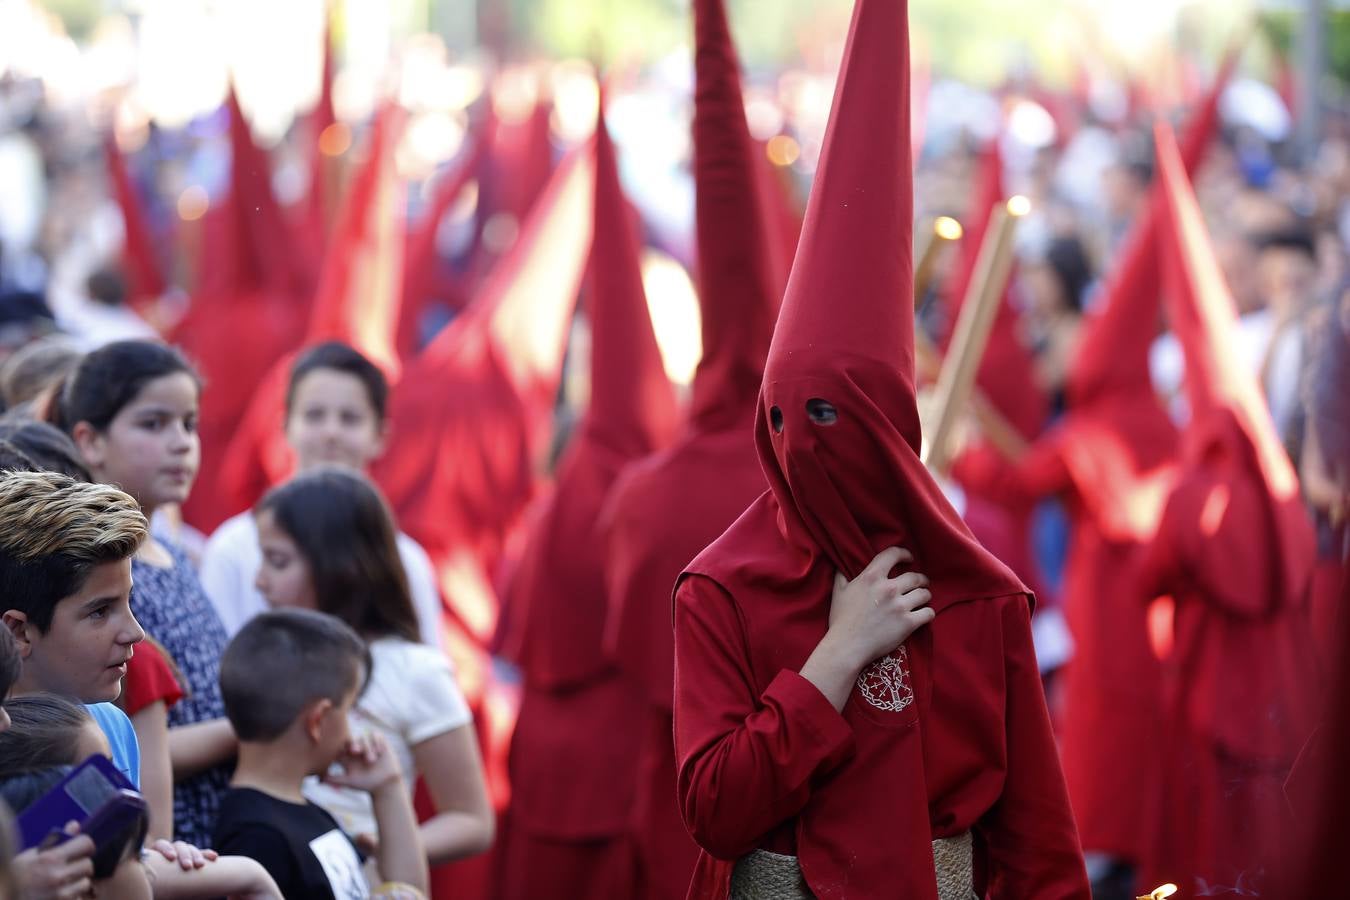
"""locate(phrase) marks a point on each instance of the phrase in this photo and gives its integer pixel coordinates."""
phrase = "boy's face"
(332, 421)
(84, 653)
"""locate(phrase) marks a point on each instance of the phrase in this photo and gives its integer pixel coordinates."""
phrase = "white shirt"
(412, 697)
(232, 558)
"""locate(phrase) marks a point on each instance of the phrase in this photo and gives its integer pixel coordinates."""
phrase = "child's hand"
(187, 856)
(873, 614)
(367, 765)
(57, 873)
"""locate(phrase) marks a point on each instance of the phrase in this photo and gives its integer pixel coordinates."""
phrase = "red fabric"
(248, 309)
(146, 281)
(318, 204)
(556, 592)
(1112, 354)
(421, 274)
(474, 409)
(1235, 550)
(537, 866)
(764, 760)
(667, 508)
(149, 680)
(356, 302)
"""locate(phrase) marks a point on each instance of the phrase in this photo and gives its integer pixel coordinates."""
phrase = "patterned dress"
(173, 609)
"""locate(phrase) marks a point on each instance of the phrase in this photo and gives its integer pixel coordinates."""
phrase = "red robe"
(1235, 550)
(766, 761)
(944, 734)
(573, 761)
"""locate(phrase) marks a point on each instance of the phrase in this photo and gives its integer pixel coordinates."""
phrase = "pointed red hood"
(145, 280)
(632, 408)
(317, 208)
(356, 303)
(360, 286)
(846, 335)
(249, 245)
(474, 409)
(738, 290)
(1112, 354)
(1258, 549)
(556, 594)
(423, 259)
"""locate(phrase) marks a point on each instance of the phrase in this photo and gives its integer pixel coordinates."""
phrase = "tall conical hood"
(632, 406)
(361, 284)
(250, 245)
(1258, 552)
(1112, 355)
(138, 247)
(738, 288)
(838, 426)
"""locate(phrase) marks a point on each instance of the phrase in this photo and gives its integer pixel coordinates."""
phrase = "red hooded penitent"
(666, 509)
(574, 754)
(1235, 550)
(947, 733)
(356, 303)
(1110, 458)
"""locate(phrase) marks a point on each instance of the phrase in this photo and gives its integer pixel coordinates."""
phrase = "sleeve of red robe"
(1030, 833)
(747, 760)
(1040, 472)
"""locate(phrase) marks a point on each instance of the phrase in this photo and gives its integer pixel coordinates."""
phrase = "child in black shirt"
(289, 679)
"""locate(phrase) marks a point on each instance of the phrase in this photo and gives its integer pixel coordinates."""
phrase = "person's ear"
(91, 443)
(17, 622)
(314, 717)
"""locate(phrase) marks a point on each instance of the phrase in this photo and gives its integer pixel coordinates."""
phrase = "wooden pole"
(957, 377)
(995, 427)
(945, 230)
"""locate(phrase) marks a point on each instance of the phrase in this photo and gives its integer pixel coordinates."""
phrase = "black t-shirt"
(299, 844)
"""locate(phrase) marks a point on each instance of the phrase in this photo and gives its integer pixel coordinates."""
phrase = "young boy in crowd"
(289, 679)
(65, 562)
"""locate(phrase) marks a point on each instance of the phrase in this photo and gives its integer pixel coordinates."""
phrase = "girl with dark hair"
(328, 543)
(131, 408)
(336, 409)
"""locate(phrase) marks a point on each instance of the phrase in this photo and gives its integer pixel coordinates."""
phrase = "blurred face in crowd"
(1287, 276)
(283, 577)
(151, 448)
(332, 421)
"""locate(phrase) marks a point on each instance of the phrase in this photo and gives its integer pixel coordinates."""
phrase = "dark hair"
(346, 533)
(282, 661)
(11, 663)
(1069, 262)
(12, 459)
(340, 357)
(48, 448)
(53, 532)
(44, 731)
(111, 377)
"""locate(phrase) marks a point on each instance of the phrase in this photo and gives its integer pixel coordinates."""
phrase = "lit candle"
(945, 230)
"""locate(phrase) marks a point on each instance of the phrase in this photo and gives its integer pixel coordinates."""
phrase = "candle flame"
(1018, 205)
(1160, 893)
(947, 228)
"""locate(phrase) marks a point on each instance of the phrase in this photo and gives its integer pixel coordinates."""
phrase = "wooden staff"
(957, 377)
(945, 230)
(995, 427)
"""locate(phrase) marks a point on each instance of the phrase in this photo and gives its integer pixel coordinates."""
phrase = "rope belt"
(772, 876)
